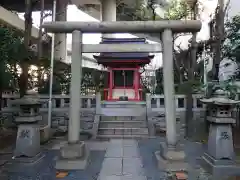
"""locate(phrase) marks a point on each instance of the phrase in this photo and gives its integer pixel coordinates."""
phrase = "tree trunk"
(219, 37)
(27, 42)
(191, 68)
(40, 46)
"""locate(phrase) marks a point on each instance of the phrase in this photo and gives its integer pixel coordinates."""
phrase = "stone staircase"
(122, 127)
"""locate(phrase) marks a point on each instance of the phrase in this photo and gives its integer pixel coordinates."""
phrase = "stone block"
(175, 155)
(45, 134)
(73, 157)
(71, 151)
(72, 164)
(219, 168)
(170, 165)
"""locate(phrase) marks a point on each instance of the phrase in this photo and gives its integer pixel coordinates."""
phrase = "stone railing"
(60, 110)
(156, 103)
(90, 106)
(59, 102)
(156, 111)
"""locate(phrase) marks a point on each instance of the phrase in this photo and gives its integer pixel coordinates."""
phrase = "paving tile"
(116, 142)
(133, 177)
(130, 142)
(132, 166)
(114, 151)
(111, 166)
(103, 177)
(130, 151)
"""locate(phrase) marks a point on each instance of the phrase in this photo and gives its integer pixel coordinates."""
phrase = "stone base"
(18, 163)
(171, 159)
(219, 168)
(73, 157)
(31, 160)
(170, 164)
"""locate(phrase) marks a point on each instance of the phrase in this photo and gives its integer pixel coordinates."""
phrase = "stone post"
(148, 102)
(109, 13)
(97, 115)
(74, 155)
(98, 103)
(60, 51)
(169, 94)
(149, 112)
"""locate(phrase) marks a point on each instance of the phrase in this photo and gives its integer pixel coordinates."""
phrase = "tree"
(217, 28)
(10, 46)
(24, 63)
(231, 45)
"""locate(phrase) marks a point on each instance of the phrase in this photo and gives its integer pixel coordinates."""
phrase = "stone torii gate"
(73, 155)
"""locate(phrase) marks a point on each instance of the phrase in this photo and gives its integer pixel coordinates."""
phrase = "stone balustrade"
(60, 108)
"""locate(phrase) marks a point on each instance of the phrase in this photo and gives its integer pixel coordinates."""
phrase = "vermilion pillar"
(110, 83)
(136, 84)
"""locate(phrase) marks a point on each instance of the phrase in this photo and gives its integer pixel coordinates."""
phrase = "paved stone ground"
(123, 160)
(193, 152)
(45, 169)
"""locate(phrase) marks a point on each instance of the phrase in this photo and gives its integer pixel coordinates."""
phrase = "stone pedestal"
(27, 151)
(73, 157)
(171, 159)
(28, 140)
(28, 136)
(219, 157)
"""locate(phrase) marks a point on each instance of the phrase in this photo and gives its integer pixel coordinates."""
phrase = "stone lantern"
(28, 136)
(219, 158)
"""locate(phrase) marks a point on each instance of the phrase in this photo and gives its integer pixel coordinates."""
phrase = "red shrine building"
(124, 81)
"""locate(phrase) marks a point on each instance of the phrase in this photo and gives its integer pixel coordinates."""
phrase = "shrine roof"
(124, 56)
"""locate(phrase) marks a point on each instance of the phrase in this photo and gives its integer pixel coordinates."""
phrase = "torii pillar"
(109, 13)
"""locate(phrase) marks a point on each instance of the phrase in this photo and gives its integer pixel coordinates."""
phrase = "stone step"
(107, 137)
(123, 112)
(122, 118)
(123, 131)
(122, 124)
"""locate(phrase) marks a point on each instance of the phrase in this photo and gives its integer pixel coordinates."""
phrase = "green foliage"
(56, 88)
(231, 47)
(188, 86)
(229, 87)
(12, 53)
(9, 44)
(177, 9)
